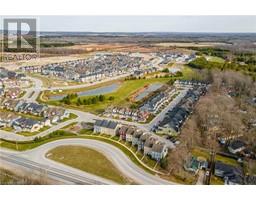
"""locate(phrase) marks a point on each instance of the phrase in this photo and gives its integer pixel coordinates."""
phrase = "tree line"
(73, 98)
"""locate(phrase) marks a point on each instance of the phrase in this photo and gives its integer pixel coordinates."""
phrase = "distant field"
(215, 59)
(42, 61)
(190, 44)
(81, 158)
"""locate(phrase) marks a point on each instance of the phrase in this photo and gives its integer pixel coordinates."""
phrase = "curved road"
(122, 162)
(118, 158)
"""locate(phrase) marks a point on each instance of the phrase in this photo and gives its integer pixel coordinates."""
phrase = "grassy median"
(57, 135)
(87, 160)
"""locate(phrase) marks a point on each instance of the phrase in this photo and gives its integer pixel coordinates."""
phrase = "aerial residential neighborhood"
(149, 108)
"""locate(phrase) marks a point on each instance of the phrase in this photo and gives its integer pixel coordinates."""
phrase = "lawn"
(22, 146)
(8, 129)
(81, 158)
(206, 154)
(27, 133)
(189, 73)
(215, 59)
(121, 96)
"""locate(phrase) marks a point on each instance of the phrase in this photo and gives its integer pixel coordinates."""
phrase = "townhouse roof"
(158, 147)
(145, 136)
(130, 130)
(138, 133)
(106, 124)
(150, 141)
(25, 122)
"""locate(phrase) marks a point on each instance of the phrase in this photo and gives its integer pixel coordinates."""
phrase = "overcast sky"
(148, 23)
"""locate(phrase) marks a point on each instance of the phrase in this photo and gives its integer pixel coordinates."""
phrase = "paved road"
(37, 155)
(118, 158)
(33, 92)
(82, 116)
(43, 171)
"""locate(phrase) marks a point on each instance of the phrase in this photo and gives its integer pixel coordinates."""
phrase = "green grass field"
(87, 160)
(121, 96)
(215, 59)
(205, 154)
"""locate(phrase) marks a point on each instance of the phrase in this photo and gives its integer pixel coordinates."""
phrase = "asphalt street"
(117, 157)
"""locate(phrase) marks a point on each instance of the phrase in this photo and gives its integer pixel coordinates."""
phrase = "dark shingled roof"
(106, 124)
(236, 144)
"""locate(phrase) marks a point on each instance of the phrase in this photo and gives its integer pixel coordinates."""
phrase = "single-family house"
(26, 124)
(236, 146)
(231, 174)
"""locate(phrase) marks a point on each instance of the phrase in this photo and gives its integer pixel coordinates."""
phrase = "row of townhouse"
(20, 124)
(92, 69)
(141, 72)
(168, 57)
(51, 115)
(154, 104)
(144, 141)
(15, 83)
(31, 69)
(189, 84)
(127, 113)
(176, 117)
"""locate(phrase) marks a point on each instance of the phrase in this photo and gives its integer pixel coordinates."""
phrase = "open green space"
(198, 152)
(88, 160)
(215, 59)
(61, 134)
(117, 98)
(189, 73)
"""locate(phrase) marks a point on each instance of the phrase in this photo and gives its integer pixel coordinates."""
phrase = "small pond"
(151, 88)
(97, 91)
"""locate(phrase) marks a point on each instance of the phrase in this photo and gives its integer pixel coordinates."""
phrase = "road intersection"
(40, 162)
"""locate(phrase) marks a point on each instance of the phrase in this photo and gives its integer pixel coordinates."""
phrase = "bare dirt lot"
(190, 44)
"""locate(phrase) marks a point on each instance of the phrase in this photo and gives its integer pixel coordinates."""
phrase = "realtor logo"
(20, 39)
(20, 35)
